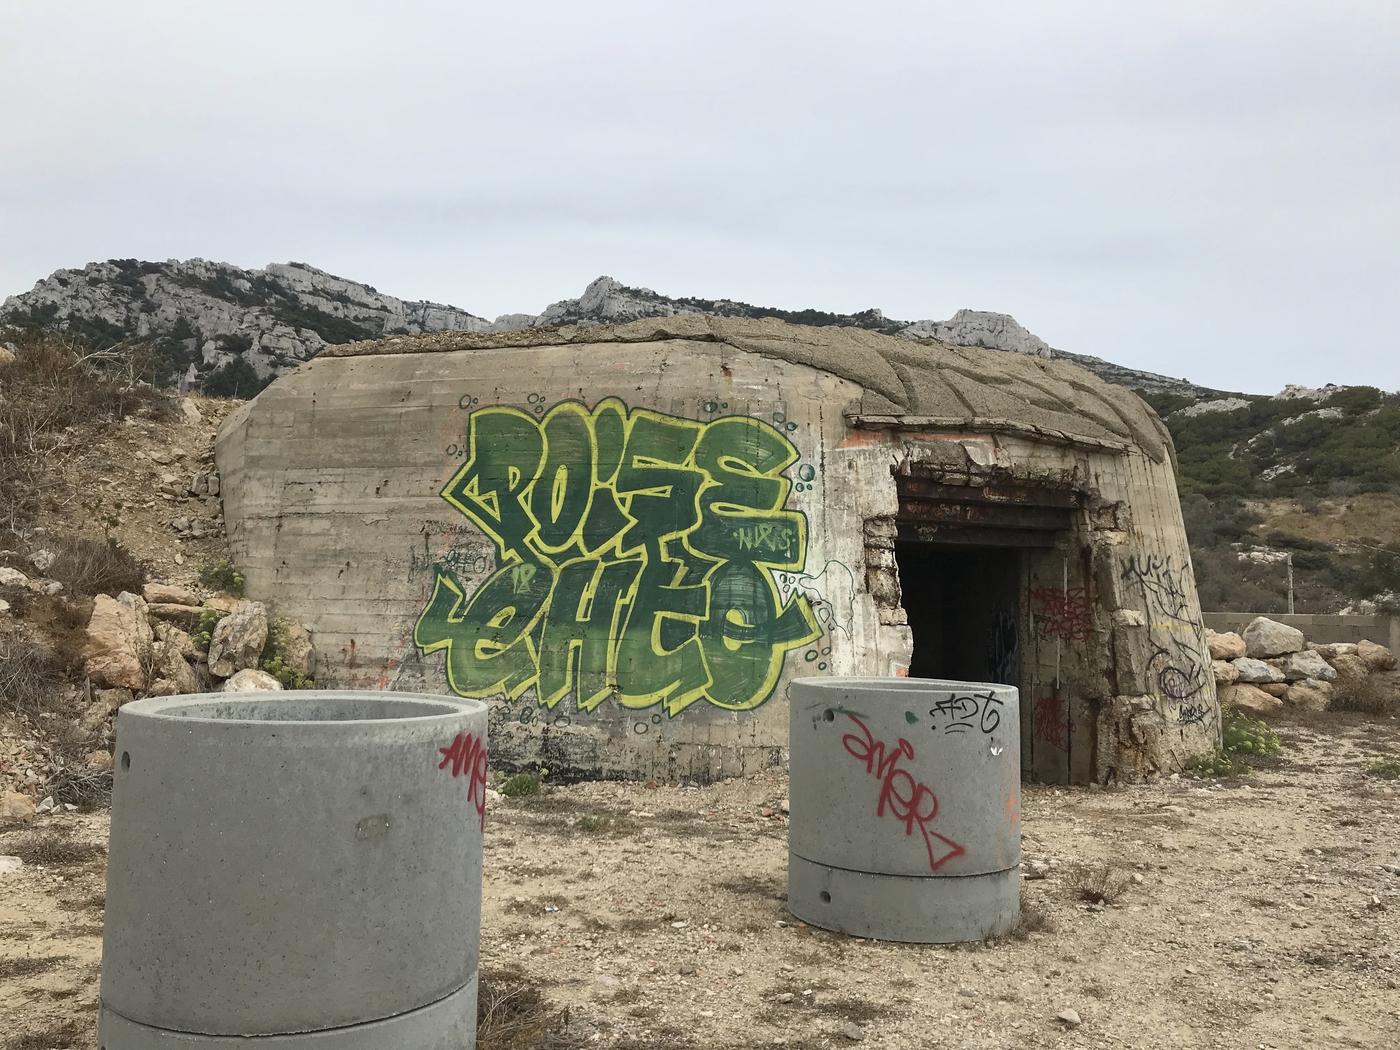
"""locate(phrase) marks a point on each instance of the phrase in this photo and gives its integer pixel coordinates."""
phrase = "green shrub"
(204, 633)
(522, 785)
(222, 576)
(1242, 739)
(1385, 768)
(274, 658)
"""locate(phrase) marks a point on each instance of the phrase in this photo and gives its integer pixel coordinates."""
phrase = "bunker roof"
(906, 382)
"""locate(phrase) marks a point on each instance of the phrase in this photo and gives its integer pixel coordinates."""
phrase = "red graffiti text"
(467, 756)
(1062, 614)
(909, 801)
(1050, 725)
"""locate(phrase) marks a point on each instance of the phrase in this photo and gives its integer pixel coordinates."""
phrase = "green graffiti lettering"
(635, 553)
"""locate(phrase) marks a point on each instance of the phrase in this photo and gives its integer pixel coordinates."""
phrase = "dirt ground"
(1265, 917)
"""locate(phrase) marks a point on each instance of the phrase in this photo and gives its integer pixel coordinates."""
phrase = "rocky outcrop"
(238, 639)
(981, 328)
(203, 314)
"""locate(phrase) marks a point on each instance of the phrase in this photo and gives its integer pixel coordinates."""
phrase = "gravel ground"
(1256, 912)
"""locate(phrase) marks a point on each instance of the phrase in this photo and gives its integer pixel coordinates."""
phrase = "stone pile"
(152, 644)
(1272, 666)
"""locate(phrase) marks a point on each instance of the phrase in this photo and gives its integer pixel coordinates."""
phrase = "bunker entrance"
(969, 559)
(963, 607)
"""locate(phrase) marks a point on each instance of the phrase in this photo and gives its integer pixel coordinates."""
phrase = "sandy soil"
(1264, 918)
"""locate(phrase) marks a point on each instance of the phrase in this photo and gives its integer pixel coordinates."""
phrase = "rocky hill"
(229, 331)
(226, 329)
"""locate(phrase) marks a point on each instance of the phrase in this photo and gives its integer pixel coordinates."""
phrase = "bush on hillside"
(87, 565)
(58, 383)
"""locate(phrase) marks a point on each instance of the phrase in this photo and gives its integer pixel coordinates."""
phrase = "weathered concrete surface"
(905, 819)
(292, 862)
(404, 500)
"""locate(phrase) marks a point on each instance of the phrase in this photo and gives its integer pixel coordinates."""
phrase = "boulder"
(111, 699)
(224, 603)
(15, 805)
(1377, 657)
(170, 594)
(1264, 637)
(1250, 699)
(170, 674)
(7, 355)
(1254, 672)
(238, 639)
(301, 654)
(1309, 695)
(119, 640)
(1227, 646)
(181, 640)
(186, 616)
(12, 577)
(1278, 689)
(43, 559)
(4, 606)
(98, 760)
(251, 680)
(1225, 672)
(1350, 667)
(1306, 664)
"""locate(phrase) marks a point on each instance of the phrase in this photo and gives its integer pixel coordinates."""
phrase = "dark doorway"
(963, 604)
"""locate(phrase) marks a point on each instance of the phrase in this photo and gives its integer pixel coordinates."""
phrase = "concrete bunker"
(629, 539)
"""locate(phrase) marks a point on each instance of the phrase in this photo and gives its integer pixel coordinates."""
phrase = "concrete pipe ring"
(905, 820)
(295, 868)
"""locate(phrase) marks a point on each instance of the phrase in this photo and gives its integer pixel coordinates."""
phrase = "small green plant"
(1102, 885)
(1242, 738)
(1243, 735)
(204, 633)
(275, 658)
(523, 785)
(222, 576)
(1385, 768)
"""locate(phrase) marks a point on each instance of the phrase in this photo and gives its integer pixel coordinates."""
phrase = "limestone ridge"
(230, 330)
(201, 316)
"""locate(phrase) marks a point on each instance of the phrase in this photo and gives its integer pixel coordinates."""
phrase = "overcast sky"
(1210, 190)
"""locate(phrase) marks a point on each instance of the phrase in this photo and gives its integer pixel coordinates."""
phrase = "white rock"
(43, 559)
(1202, 408)
(251, 680)
(1069, 1017)
(1264, 637)
(981, 328)
(4, 606)
(12, 577)
(1256, 672)
(1306, 664)
(238, 639)
(9, 865)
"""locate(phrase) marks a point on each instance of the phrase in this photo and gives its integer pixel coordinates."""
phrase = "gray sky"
(1208, 190)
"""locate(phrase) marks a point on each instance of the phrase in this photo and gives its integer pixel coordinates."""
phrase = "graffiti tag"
(1176, 663)
(1050, 726)
(467, 756)
(909, 801)
(1063, 614)
(966, 712)
(636, 554)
